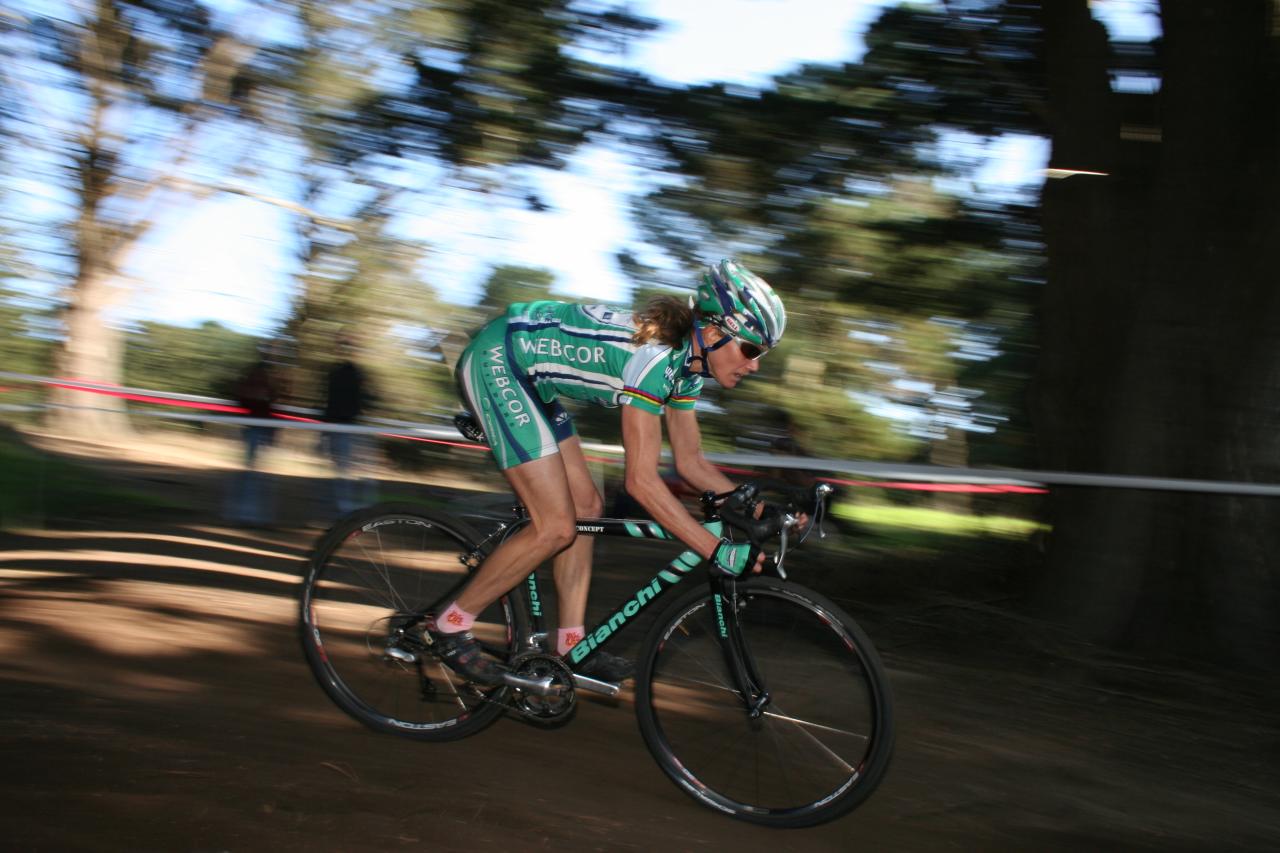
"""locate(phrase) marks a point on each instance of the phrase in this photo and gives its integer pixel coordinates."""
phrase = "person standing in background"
(257, 391)
(348, 395)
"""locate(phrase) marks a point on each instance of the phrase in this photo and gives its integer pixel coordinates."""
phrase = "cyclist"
(511, 376)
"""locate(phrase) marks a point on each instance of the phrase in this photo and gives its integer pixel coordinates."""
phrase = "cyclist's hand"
(802, 518)
(735, 558)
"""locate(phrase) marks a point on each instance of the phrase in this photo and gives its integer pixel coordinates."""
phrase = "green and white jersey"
(586, 352)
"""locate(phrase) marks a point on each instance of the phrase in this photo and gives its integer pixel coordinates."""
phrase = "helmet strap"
(703, 351)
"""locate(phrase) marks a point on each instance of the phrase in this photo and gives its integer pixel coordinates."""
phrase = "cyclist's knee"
(589, 506)
(554, 535)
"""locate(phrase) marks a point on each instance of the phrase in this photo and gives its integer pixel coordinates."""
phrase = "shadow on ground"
(153, 696)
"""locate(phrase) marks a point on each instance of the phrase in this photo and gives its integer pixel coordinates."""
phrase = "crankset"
(551, 707)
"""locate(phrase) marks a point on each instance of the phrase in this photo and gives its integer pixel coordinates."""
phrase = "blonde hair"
(667, 319)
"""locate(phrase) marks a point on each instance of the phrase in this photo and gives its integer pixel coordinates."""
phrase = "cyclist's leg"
(542, 485)
(573, 572)
(572, 566)
(524, 433)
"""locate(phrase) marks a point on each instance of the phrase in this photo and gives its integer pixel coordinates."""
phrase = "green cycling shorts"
(519, 425)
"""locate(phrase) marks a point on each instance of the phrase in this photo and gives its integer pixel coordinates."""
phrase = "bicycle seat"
(466, 423)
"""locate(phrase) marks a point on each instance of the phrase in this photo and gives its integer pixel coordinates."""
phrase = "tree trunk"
(91, 352)
(91, 348)
(1161, 354)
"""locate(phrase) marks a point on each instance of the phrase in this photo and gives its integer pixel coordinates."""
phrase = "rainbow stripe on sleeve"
(683, 400)
(642, 395)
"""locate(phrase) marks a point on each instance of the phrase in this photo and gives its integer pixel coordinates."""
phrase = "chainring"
(551, 711)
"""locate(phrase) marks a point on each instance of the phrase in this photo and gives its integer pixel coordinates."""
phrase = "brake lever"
(788, 520)
(821, 495)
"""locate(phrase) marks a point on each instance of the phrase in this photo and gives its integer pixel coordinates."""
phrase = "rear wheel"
(370, 583)
(825, 736)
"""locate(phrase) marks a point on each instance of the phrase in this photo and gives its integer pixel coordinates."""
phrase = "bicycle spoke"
(805, 725)
(792, 764)
(368, 587)
(453, 688)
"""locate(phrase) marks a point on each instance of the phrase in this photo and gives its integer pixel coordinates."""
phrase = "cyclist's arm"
(642, 439)
(691, 465)
(686, 447)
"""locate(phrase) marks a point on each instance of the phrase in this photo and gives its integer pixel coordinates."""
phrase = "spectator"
(256, 392)
(347, 397)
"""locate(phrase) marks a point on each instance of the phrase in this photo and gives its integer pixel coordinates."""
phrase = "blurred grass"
(904, 556)
(902, 518)
(38, 489)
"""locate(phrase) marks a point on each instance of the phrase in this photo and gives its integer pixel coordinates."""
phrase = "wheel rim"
(363, 614)
(815, 737)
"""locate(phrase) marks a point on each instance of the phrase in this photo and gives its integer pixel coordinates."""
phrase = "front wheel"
(370, 583)
(825, 735)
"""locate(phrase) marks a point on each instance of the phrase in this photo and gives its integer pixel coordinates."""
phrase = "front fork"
(737, 655)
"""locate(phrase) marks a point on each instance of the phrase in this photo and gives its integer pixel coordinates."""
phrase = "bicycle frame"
(723, 589)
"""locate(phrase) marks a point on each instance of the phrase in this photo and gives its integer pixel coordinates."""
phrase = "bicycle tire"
(369, 582)
(822, 744)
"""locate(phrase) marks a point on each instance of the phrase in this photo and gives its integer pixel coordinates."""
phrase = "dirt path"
(153, 697)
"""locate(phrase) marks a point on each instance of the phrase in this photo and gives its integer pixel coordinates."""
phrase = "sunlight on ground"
(139, 558)
(154, 537)
(55, 622)
(139, 618)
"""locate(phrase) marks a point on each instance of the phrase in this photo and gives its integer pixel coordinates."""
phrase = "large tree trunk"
(90, 352)
(1161, 336)
(91, 348)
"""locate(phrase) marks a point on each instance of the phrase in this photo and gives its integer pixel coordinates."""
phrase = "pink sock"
(455, 620)
(567, 638)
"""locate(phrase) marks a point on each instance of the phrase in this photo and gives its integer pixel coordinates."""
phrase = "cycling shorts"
(518, 424)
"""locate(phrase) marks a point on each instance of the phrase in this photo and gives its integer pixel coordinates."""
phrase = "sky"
(226, 259)
(227, 252)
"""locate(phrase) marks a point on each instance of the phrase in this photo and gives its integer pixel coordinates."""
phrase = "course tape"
(879, 474)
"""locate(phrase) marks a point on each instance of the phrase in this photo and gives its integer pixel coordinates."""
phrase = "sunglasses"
(750, 351)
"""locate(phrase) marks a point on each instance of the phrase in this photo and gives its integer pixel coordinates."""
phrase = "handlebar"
(745, 511)
(739, 511)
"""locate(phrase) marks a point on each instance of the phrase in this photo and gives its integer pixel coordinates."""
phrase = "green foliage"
(23, 346)
(364, 288)
(37, 489)
(936, 521)
(827, 184)
(489, 83)
(473, 84)
(508, 284)
(206, 360)
(823, 182)
(22, 349)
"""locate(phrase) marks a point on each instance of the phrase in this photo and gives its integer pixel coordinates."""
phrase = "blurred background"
(1032, 235)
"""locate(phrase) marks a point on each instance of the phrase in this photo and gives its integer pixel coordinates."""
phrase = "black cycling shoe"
(603, 666)
(462, 654)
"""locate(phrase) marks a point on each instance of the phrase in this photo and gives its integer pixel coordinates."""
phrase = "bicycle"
(758, 697)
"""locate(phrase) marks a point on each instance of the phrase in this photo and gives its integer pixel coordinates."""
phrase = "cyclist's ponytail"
(667, 319)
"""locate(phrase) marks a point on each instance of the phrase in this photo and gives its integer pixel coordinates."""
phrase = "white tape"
(853, 467)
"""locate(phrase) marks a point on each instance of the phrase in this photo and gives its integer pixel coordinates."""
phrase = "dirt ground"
(153, 696)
